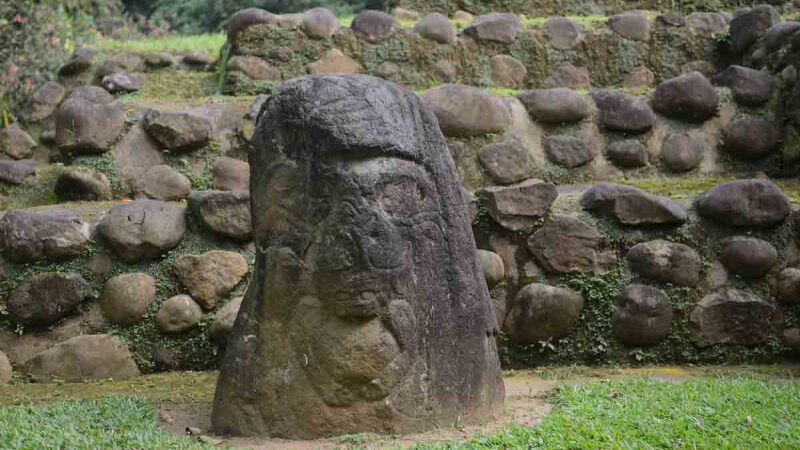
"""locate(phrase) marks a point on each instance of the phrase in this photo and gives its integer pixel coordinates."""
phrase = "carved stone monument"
(367, 310)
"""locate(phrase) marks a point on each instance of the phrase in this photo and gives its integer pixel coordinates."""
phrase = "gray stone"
(83, 127)
(197, 60)
(555, 105)
(126, 297)
(666, 262)
(90, 357)
(254, 67)
(632, 206)
(221, 326)
(627, 153)
(787, 289)
(567, 151)
(231, 174)
(226, 213)
(566, 245)
(143, 229)
(245, 18)
(91, 94)
(136, 152)
(640, 77)
(566, 75)
(689, 97)
(750, 87)
(79, 61)
(748, 257)
(211, 276)
(467, 110)
(494, 27)
(752, 138)
(319, 23)
(123, 62)
(506, 162)
(541, 312)
(82, 183)
(436, 27)
(746, 28)
(562, 33)
(158, 60)
(16, 143)
(494, 270)
(643, 316)
(631, 24)
(177, 314)
(381, 243)
(444, 70)
(334, 61)
(162, 182)
(707, 24)
(744, 203)
(374, 26)
(508, 71)
(519, 206)
(622, 112)
(178, 130)
(5, 369)
(681, 152)
(121, 83)
(731, 316)
(43, 102)
(791, 338)
(15, 172)
(29, 237)
(778, 34)
(47, 297)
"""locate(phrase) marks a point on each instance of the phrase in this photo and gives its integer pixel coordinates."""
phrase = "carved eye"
(402, 197)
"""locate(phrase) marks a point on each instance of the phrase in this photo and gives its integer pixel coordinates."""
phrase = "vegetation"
(208, 43)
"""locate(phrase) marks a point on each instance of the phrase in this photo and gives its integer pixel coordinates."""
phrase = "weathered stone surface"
(123, 62)
(15, 142)
(467, 110)
(541, 312)
(748, 257)
(681, 152)
(177, 314)
(136, 152)
(79, 61)
(752, 138)
(493, 267)
(506, 162)
(666, 261)
(750, 87)
(226, 213)
(622, 112)
(319, 23)
(83, 127)
(47, 297)
(567, 151)
(436, 27)
(43, 102)
(121, 82)
(28, 237)
(91, 94)
(494, 27)
(143, 229)
(777, 34)
(631, 24)
(566, 75)
(744, 203)
(555, 105)
(690, 97)
(508, 71)
(632, 206)
(247, 17)
(5, 369)
(373, 25)
(254, 67)
(562, 33)
(15, 172)
(627, 153)
(640, 77)
(707, 23)
(221, 326)
(162, 182)
(197, 60)
(82, 183)
(731, 316)
(231, 174)
(518, 206)
(384, 240)
(125, 297)
(787, 289)
(643, 316)
(746, 28)
(158, 60)
(210, 276)
(444, 70)
(178, 130)
(90, 357)
(334, 61)
(566, 245)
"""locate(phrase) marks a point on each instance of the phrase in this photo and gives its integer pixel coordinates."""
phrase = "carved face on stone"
(367, 310)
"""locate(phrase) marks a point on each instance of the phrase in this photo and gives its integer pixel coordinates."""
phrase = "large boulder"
(82, 183)
(632, 206)
(690, 97)
(15, 172)
(29, 237)
(508, 71)
(79, 61)
(506, 162)
(89, 357)
(177, 314)
(226, 213)
(562, 33)
(744, 203)
(777, 35)
(541, 312)
(494, 270)
(630, 24)
(178, 130)
(143, 229)
(91, 94)
(374, 26)
(15, 142)
(319, 23)
(666, 262)
(494, 27)
(47, 297)
(627, 153)
(731, 316)
(747, 27)
(752, 138)
(787, 286)
(566, 75)
(334, 61)
(44, 102)
(211, 276)
(83, 127)
(643, 316)
(567, 151)
(162, 182)
(467, 110)
(750, 87)
(748, 256)
(244, 18)
(126, 297)
(437, 27)
(622, 112)
(519, 206)
(681, 152)
(707, 24)
(225, 317)
(566, 244)
(121, 83)
(254, 67)
(231, 174)
(555, 105)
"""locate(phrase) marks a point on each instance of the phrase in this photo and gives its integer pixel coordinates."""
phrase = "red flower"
(17, 19)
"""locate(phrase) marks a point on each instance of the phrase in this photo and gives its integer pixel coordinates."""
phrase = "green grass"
(111, 423)
(209, 43)
(742, 412)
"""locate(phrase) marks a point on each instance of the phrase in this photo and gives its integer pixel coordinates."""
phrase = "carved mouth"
(363, 304)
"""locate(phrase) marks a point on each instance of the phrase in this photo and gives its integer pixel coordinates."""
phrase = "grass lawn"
(209, 43)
